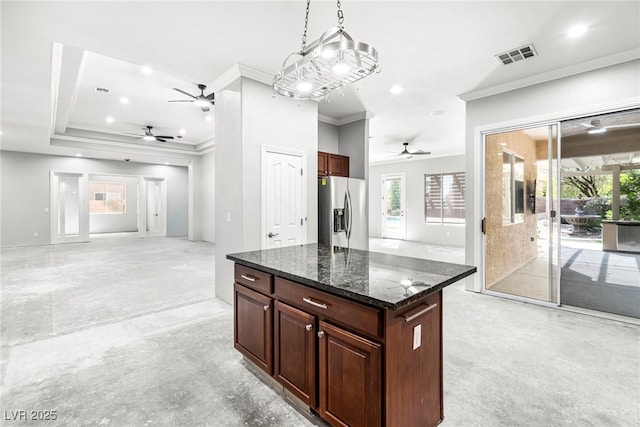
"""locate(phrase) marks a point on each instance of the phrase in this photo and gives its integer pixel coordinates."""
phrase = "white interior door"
(284, 199)
(69, 208)
(394, 223)
(155, 208)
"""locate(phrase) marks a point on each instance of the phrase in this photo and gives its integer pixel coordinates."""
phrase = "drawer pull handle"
(309, 327)
(420, 313)
(249, 278)
(321, 334)
(266, 307)
(316, 304)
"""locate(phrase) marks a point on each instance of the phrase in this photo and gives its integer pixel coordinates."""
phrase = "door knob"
(271, 235)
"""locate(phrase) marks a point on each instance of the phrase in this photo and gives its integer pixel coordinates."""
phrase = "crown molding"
(618, 58)
(235, 72)
(347, 119)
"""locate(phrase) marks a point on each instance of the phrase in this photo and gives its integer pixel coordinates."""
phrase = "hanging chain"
(306, 23)
(340, 16)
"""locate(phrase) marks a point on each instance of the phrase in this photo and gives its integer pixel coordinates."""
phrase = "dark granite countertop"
(381, 280)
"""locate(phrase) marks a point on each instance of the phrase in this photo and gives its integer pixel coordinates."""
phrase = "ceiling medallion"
(331, 62)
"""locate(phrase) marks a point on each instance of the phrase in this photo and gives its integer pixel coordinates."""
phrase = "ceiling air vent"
(517, 54)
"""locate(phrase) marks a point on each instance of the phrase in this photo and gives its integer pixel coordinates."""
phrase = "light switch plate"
(417, 336)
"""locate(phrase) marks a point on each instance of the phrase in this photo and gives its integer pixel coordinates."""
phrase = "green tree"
(630, 190)
(394, 198)
(591, 186)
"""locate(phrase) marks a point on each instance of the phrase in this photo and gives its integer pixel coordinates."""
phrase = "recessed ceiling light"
(396, 89)
(109, 119)
(182, 132)
(208, 118)
(145, 70)
(124, 100)
(577, 31)
(78, 155)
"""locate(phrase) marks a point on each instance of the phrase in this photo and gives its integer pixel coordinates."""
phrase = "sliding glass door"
(520, 223)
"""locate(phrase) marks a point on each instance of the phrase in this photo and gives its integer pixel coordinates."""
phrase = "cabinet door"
(253, 326)
(323, 164)
(295, 352)
(350, 378)
(335, 165)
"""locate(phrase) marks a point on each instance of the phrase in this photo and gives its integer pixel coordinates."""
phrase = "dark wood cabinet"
(253, 328)
(330, 164)
(338, 165)
(295, 352)
(350, 378)
(355, 364)
(323, 163)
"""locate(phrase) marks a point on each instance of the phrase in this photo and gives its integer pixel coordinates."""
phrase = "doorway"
(69, 208)
(154, 217)
(520, 222)
(284, 197)
(394, 200)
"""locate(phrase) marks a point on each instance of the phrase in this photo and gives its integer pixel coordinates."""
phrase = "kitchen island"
(354, 335)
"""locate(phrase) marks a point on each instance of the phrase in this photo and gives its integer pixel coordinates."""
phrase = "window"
(512, 188)
(444, 198)
(107, 197)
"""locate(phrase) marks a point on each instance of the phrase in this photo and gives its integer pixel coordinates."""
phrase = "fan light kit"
(333, 61)
(150, 136)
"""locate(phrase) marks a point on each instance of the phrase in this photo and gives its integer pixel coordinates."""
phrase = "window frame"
(442, 219)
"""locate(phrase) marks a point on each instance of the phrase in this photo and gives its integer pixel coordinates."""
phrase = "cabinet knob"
(266, 307)
(309, 327)
(321, 334)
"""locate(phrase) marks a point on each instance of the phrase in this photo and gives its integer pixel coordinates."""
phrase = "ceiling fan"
(149, 136)
(409, 154)
(595, 126)
(201, 100)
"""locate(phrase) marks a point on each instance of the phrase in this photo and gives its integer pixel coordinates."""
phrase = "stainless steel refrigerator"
(342, 212)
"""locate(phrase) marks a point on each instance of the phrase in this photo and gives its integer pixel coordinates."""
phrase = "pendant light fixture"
(333, 61)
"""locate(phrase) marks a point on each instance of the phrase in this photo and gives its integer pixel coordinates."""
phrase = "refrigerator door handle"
(349, 217)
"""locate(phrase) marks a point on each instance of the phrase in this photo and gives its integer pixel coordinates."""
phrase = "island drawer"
(350, 314)
(254, 279)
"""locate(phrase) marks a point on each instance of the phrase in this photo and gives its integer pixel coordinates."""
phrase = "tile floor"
(127, 332)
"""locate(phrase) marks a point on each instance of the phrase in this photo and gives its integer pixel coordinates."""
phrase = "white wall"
(354, 142)
(117, 223)
(414, 170)
(327, 138)
(248, 117)
(205, 198)
(592, 92)
(24, 192)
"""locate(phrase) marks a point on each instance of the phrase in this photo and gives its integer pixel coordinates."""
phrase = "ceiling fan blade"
(420, 152)
(160, 139)
(626, 125)
(183, 92)
(211, 96)
(164, 136)
(182, 100)
(205, 109)
(587, 125)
